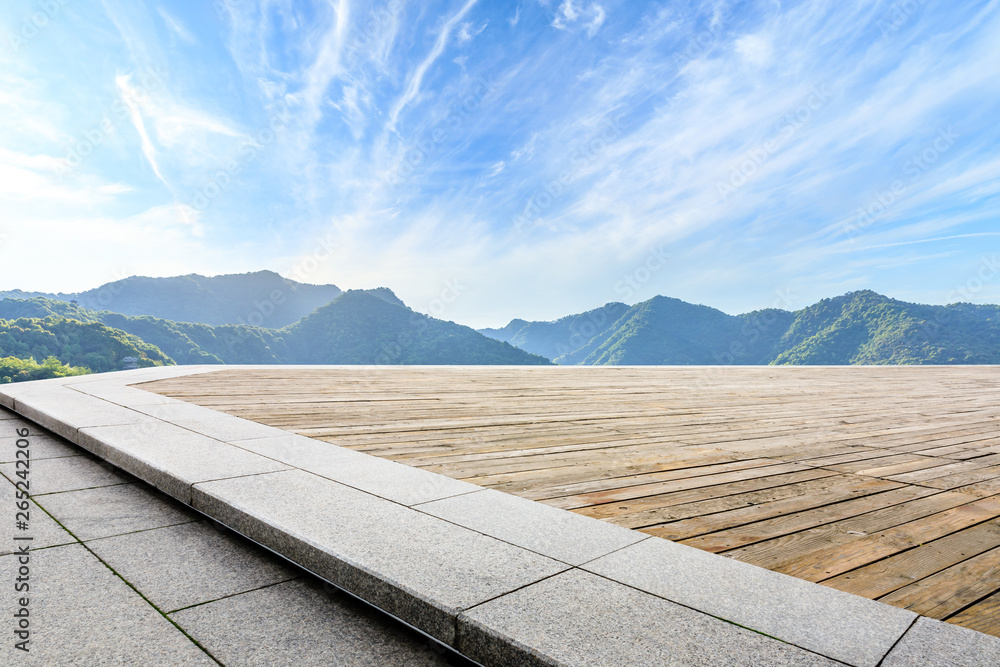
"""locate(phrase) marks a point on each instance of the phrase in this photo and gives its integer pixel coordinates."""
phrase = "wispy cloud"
(516, 18)
(417, 77)
(129, 95)
(591, 17)
(175, 26)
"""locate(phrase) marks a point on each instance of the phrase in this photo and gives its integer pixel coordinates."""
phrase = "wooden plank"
(776, 553)
(983, 616)
(805, 498)
(942, 594)
(707, 500)
(645, 495)
(724, 540)
(881, 578)
(840, 558)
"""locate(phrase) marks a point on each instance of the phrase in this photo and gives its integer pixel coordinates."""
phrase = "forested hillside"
(856, 328)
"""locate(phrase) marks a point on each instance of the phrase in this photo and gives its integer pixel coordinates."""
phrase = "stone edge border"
(455, 554)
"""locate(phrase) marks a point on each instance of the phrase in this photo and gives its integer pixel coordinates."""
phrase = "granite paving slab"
(170, 457)
(65, 474)
(42, 529)
(546, 530)
(40, 445)
(6, 415)
(64, 411)
(174, 410)
(80, 613)
(114, 510)
(183, 565)
(416, 567)
(847, 627)
(226, 428)
(114, 392)
(931, 643)
(297, 623)
(387, 479)
(580, 619)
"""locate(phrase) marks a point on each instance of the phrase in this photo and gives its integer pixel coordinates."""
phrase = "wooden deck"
(880, 481)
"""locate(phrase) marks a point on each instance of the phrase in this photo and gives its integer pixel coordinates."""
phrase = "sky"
(489, 160)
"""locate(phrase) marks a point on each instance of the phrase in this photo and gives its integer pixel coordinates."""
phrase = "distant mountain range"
(262, 318)
(262, 298)
(357, 327)
(856, 328)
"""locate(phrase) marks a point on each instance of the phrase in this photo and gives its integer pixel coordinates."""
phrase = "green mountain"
(358, 327)
(561, 337)
(868, 328)
(856, 328)
(262, 298)
(89, 345)
(362, 327)
(668, 331)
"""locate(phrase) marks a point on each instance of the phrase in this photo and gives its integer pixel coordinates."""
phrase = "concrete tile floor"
(122, 575)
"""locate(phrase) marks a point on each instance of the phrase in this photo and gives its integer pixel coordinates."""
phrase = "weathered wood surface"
(881, 481)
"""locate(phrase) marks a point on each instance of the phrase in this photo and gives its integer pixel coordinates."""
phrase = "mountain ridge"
(256, 298)
(861, 327)
(358, 327)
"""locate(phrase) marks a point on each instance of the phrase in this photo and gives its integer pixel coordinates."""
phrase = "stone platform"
(500, 579)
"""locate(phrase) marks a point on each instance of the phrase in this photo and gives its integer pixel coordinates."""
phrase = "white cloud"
(466, 33)
(417, 77)
(33, 179)
(755, 49)
(591, 18)
(513, 20)
(327, 64)
(131, 95)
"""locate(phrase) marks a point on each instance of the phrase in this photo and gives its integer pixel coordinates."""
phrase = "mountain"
(868, 328)
(358, 327)
(856, 328)
(666, 331)
(262, 298)
(74, 343)
(362, 327)
(561, 337)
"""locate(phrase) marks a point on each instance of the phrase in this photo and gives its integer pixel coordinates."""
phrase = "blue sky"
(489, 160)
